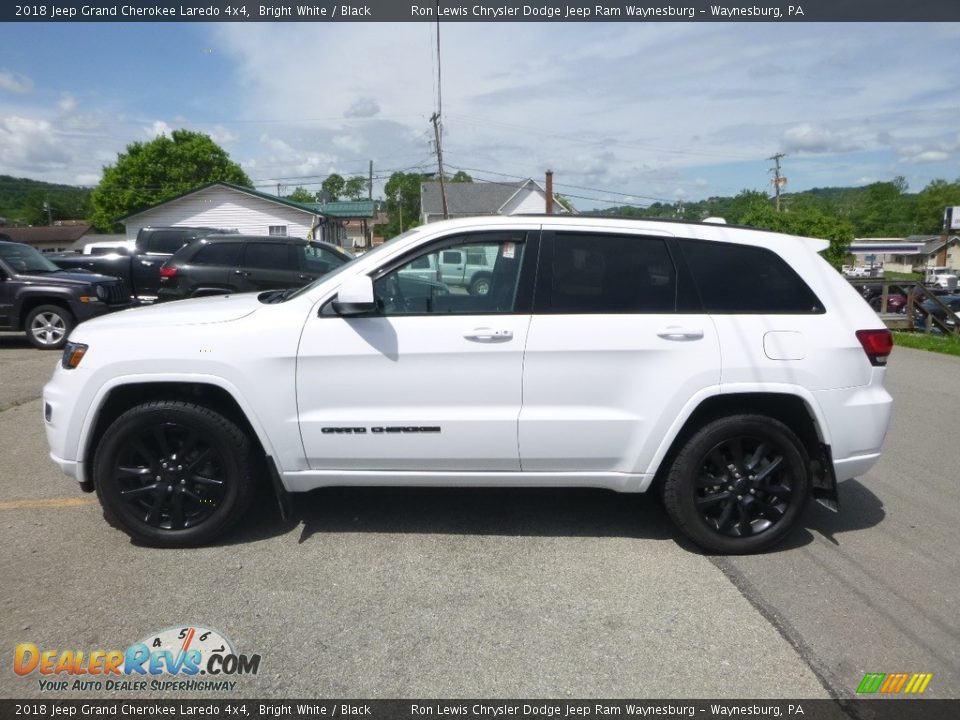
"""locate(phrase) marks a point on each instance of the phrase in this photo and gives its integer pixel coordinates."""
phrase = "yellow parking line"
(46, 503)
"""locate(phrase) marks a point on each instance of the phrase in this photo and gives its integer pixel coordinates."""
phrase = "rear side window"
(218, 254)
(167, 241)
(267, 256)
(606, 274)
(746, 279)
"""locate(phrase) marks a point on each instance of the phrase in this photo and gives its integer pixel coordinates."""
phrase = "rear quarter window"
(746, 279)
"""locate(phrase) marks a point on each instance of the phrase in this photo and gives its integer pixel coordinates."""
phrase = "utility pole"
(370, 183)
(778, 179)
(435, 119)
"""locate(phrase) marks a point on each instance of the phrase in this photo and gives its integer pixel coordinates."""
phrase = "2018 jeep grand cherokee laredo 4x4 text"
(733, 370)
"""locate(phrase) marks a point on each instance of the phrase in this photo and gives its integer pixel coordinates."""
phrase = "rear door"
(268, 265)
(211, 270)
(617, 345)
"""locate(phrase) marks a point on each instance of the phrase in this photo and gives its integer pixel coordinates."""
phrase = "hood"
(66, 277)
(199, 311)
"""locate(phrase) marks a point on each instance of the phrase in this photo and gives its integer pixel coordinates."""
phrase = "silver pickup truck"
(468, 266)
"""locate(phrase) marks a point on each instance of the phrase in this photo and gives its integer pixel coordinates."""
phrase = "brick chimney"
(549, 192)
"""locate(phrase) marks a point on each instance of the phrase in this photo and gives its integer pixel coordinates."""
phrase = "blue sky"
(621, 112)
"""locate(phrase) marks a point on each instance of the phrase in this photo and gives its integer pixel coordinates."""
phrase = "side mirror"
(355, 297)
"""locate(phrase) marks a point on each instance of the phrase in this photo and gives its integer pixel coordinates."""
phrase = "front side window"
(607, 274)
(318, 259)
(440, 282)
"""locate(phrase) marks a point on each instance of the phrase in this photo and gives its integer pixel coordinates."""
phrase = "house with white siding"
(234, 207)
(467, 199)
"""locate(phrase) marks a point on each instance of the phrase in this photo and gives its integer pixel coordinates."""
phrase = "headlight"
(101, 292)
(72, 355)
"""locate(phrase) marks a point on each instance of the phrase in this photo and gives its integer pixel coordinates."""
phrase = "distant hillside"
(877, 210)
(22, 201)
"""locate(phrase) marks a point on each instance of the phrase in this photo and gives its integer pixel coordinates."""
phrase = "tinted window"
(319, 259)
(167, 241)
(611, 274)
(267, 256)
(218, 254)
(745, 279)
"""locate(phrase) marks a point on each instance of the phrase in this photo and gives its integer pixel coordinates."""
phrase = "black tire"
(173, 474)
(480, 285)
(48, 326)
(738, 485)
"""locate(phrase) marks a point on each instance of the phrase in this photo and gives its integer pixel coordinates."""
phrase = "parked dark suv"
(221, 264)
(47, 302)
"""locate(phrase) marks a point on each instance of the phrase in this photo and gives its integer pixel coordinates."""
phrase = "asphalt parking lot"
(496, 593)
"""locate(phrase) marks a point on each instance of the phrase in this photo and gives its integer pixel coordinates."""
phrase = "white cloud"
(30, 143)
(815, 139)
(15, 82)
(67, 103)
(158, 129)
(363, 108)
(221, 135)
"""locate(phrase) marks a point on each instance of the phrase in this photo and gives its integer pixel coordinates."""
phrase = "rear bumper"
(858, 419)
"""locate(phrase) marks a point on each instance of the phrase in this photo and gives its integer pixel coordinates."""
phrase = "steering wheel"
(391, 295)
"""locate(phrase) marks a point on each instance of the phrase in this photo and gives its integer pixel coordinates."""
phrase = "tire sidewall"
(68, 324)
(216, 430)
(679, 489)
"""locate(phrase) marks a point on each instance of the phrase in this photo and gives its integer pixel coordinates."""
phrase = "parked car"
(931, 307)
(139, 268)
(220, 264)
(731, 370)
(873, 294)
(46, 302)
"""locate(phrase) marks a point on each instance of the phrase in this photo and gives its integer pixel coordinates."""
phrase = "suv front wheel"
(48, 327)
(739, 484)
(173, 474)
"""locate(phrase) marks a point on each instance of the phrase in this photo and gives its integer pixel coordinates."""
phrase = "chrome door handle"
(675, 332)
(488, 334)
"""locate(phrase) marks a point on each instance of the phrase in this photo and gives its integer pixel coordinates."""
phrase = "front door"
(432, 380)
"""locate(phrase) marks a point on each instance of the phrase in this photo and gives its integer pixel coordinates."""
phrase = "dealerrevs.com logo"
(186, 658)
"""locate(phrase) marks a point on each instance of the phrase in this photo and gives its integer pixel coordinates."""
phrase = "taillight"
(877, 344)
(168, 271)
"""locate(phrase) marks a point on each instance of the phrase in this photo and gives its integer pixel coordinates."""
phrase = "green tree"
(355, 188)
(932, 200)
(402, 203)
(333, 186)
(460, 176)
(151, 172)
(746, 203)
(301, 195)
(885, 210)
(808, 222)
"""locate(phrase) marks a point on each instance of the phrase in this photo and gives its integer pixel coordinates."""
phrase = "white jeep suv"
(732, 370)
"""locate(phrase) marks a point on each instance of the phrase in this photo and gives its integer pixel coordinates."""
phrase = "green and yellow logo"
(894, 683)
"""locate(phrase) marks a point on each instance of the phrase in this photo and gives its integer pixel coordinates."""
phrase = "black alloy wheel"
(173, 474)
(739, 484)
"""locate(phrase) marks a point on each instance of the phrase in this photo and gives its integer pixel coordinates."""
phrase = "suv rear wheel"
(739, 484)
(173, 474)
(48, 327)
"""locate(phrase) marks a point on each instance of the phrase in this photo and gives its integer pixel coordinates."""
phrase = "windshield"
(376, 251)
(25, 259)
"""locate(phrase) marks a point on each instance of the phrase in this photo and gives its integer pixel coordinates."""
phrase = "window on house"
(278, 230)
